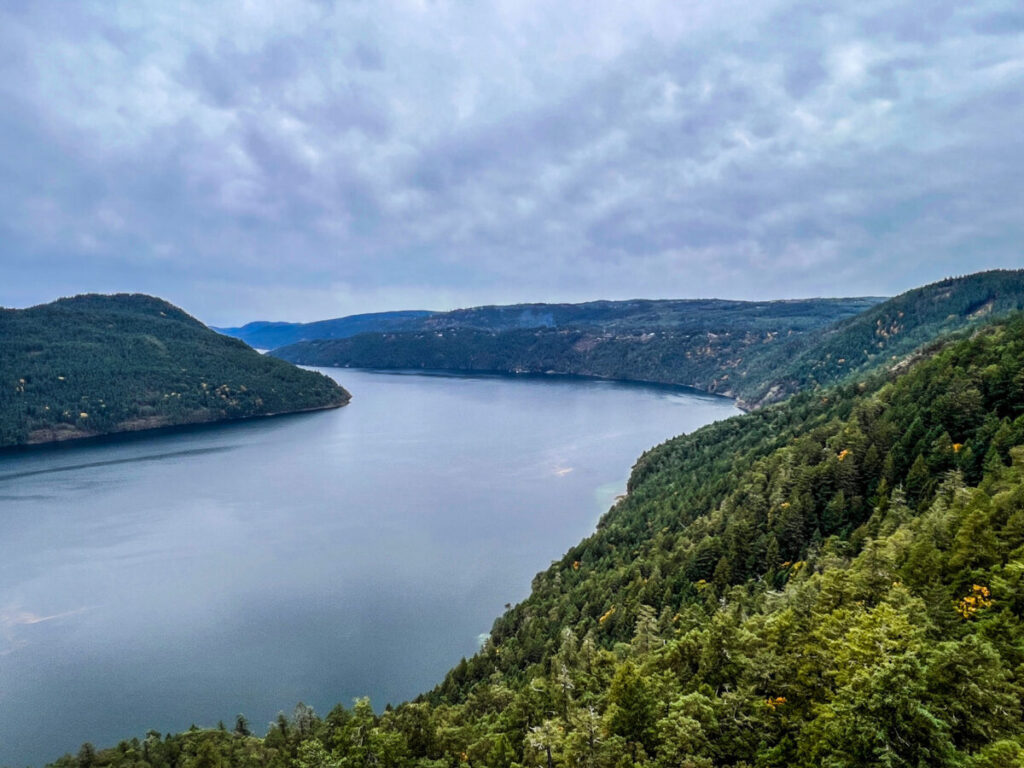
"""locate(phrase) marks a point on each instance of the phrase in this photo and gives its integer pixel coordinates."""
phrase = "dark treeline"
(93, 365)
(837, 580)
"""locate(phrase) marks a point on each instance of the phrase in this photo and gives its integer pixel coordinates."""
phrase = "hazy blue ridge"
(268, 335)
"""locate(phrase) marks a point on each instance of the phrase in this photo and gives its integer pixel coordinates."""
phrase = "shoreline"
(149, 431)
(548, 375)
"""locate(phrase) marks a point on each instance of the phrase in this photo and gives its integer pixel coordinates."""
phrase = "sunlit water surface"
(156, 581)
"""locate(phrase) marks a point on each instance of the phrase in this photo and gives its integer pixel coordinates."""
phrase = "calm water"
(159, 581)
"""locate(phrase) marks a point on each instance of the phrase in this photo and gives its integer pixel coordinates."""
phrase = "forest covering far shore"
(755, 352)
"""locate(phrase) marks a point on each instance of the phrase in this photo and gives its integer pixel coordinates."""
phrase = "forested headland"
(95, 365)
(834, 580)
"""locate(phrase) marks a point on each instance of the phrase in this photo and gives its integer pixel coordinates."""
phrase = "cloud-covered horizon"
(300, 160)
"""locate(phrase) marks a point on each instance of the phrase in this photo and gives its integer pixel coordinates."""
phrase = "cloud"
(13, 618)
(311, 158)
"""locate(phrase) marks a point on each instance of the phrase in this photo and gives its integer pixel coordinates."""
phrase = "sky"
(297, 160)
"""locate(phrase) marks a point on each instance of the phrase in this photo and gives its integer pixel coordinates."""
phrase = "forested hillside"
(756, 352)
(696, 359)
(691, 315)
(693, 342)
(884, 333)
(837, 580)
(647, 314)
(93, 365)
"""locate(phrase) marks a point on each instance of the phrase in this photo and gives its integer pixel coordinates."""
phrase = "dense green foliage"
(886, 332)
(94, 365)
(756, 352)
(837, 580)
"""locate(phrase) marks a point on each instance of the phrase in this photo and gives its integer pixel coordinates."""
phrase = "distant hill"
(693, 342)
(269, 335)
(757, 352)
(93, 365)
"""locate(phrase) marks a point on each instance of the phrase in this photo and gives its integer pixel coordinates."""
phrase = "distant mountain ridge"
(94, 365)
(694, 342)
(633, 314)
(263, 334)
(757, 352)
(650, 314)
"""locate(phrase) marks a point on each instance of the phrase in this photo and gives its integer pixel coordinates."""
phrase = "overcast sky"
(300, 160)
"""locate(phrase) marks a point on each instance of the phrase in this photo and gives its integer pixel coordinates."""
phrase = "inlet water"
(158, 581)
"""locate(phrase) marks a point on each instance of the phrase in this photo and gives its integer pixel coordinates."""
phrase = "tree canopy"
(93, 365)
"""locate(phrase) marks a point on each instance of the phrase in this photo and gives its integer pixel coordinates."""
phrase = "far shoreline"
(541, 376)
(129, 435)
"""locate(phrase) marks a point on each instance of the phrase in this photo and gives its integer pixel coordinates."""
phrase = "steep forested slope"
(883, 333)
(702, 359)
(93, 365)
(837, 580)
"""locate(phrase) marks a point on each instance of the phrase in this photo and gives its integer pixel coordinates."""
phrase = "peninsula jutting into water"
(97, 365)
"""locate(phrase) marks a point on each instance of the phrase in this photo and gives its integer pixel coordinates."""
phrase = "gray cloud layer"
(309, 159)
